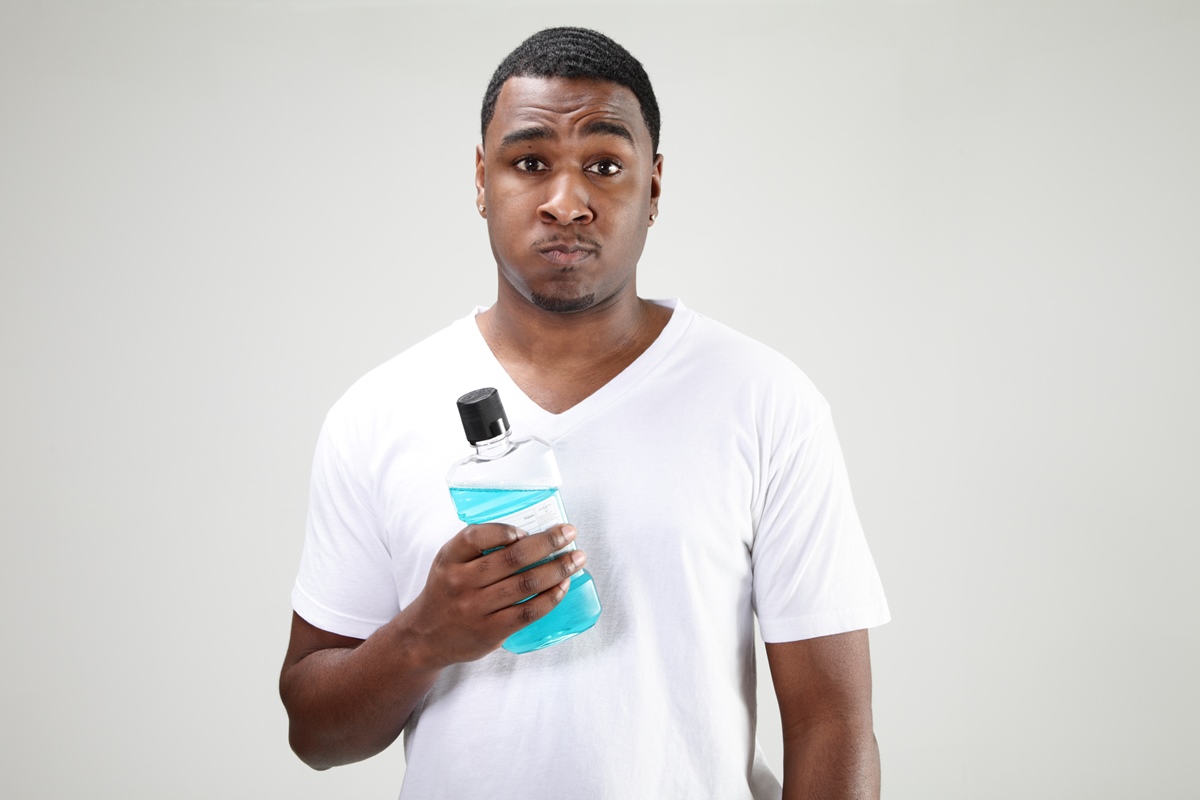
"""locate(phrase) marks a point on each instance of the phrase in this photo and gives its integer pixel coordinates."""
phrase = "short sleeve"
(813, 572)
(345, 583)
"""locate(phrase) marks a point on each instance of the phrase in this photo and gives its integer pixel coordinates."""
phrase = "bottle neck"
(493, 448)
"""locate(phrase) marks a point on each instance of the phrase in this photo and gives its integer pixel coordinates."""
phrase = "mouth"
(566, 254)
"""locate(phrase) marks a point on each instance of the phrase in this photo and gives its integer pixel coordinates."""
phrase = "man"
(700, 468)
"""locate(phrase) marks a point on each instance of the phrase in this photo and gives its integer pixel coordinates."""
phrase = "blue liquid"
(580, 607)
(485, 505)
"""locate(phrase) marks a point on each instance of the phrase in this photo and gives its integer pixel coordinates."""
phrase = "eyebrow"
(539, 133)
(527, 135)
(604, 127)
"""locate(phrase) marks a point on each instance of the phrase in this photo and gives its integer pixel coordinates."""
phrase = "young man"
(700, 468)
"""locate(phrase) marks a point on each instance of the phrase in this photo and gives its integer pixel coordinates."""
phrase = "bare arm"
(348, 699)
(824, 691)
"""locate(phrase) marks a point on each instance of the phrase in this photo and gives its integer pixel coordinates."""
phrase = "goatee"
(562, 305)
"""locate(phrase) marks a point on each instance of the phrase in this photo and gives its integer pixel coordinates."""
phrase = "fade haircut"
(574, 53)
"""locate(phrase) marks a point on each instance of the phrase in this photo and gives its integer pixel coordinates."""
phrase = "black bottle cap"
(482, 415)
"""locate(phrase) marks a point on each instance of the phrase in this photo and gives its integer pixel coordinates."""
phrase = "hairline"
(590, 78)
(598, 127)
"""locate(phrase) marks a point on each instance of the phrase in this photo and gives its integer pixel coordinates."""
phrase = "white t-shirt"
(706, 483)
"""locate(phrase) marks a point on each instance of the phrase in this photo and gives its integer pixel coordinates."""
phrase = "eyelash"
(521, 165)
(609, 162)
(520, 162)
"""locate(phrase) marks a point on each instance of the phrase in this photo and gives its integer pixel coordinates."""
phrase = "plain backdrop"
(973, 224)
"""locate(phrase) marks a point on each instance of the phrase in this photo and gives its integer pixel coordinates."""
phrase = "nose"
(568, 201)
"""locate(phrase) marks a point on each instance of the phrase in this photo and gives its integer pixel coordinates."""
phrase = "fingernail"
(519, 534)
(578, 557)
(568, 532)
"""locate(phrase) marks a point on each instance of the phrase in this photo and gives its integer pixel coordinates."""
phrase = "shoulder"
(760, 376)
(408, 388)
(735, 348)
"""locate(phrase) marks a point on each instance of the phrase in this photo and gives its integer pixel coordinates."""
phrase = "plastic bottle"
(516, 481)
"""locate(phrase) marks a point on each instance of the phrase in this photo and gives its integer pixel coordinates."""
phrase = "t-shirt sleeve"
(813, 572)
(345, 584)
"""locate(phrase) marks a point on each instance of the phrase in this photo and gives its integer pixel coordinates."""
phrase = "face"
(569, 180)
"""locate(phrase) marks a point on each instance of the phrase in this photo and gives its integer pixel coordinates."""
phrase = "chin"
(562, 305)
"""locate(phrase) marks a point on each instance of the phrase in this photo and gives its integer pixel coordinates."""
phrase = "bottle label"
(539, 517)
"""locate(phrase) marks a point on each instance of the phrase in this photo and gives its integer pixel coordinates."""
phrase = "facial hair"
(562, 305)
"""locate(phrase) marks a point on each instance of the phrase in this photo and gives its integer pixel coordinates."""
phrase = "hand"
(468, 606)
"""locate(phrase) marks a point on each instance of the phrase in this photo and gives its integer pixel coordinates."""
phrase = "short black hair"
(575, 53)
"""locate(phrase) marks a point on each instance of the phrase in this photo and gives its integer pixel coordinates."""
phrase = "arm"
(824, 691)
(348, 699)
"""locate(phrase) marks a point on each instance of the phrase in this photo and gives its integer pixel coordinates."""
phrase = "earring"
(652, 216)
(482, 209)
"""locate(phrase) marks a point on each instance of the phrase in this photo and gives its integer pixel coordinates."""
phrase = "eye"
(530, 164)
(606, 167)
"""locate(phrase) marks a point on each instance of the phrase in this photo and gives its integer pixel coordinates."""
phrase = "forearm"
(833, 760)
(348, 699)
(347, 704)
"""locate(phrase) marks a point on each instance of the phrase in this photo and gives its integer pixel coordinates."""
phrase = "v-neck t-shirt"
(707, 485)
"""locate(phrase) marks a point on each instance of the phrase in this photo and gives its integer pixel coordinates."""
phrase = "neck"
(560, 359)
(524, 332)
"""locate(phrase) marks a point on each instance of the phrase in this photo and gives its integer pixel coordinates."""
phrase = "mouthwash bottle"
(515, 481)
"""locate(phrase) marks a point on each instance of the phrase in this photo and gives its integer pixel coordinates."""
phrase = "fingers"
(477, 543)
(514, 618)
(544, 578)
(489, 581)
(528, 550)
(475, 540)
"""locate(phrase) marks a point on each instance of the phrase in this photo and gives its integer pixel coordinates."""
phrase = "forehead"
(527, 101)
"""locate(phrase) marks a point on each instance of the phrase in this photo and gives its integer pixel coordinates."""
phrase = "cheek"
(508, 235)
(627, 214)
(633, 199)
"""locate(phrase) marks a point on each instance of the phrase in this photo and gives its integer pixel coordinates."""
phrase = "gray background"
(973, 224)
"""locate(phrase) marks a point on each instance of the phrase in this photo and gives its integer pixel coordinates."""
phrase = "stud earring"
(652, 217)
(482, 208)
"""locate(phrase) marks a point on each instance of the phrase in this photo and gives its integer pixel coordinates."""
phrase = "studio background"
(973, 224)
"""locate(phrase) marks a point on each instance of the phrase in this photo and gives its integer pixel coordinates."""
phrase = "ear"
(480, 200)
(655, 186)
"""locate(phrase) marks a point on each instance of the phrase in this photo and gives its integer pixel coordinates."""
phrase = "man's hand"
(469, 604)
(347, 699)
